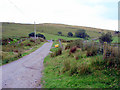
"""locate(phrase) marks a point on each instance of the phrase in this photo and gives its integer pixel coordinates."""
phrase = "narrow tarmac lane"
(27, 71)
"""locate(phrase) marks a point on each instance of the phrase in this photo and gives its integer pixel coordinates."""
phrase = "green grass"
(100, 76)
(56, 37)
(22, 30)
(33, 49)
(116, 39)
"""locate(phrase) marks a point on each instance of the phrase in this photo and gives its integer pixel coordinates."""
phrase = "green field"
(22, 30)
(56, 37)
(116, 39)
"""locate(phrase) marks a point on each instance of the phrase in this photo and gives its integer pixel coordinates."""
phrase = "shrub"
(28, 44)
(56, 53)
(60, 33)
(92, 52)
(92, 48)
(31, 34)
(77, 43)
(73, 49)
(40, 35)
(106, 38)
(81, 34)
(112, 57)
(70, 34)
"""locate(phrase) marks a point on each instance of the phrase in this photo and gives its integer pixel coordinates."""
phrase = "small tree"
(106, 38)
(32, 34)
(81, 34)
(60, 33)
(40, 35)
(70, 34)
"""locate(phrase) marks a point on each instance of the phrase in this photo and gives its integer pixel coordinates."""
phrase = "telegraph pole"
(35, 30)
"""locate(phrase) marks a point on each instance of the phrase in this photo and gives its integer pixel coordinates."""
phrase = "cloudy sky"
(91, 13)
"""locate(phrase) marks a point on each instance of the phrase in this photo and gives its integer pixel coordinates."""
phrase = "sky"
(91, 13)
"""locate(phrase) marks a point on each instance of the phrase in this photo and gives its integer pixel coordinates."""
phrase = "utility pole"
(35, 31)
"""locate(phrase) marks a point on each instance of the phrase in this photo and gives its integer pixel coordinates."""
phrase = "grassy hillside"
(22, 30)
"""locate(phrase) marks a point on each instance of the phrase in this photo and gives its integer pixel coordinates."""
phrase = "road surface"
(27, 71)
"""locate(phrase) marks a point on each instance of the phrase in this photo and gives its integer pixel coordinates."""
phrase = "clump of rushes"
(84, 68)
(73, 68)
(66, 67)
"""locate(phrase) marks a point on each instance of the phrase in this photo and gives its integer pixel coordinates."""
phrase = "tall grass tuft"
(66, 65)
(84, 68)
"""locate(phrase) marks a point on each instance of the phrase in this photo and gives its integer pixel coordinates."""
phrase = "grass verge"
(12, 56)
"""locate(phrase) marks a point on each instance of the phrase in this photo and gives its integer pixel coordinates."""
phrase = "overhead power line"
(16, 6)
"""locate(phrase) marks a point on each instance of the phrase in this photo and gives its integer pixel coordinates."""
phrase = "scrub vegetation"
(82, 65)
(17, 48)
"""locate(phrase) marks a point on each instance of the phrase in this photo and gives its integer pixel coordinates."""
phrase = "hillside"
(22, 30)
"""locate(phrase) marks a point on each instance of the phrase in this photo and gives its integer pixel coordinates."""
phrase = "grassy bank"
(12, 52)
(67, 71)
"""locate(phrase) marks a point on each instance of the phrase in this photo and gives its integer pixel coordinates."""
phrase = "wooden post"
(60, 43)
(104, 50)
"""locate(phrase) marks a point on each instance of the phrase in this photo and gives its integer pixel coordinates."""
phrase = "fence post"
(60, 43)
(104, 50)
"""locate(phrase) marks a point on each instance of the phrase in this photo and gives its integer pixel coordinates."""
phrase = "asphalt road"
(27, 71)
